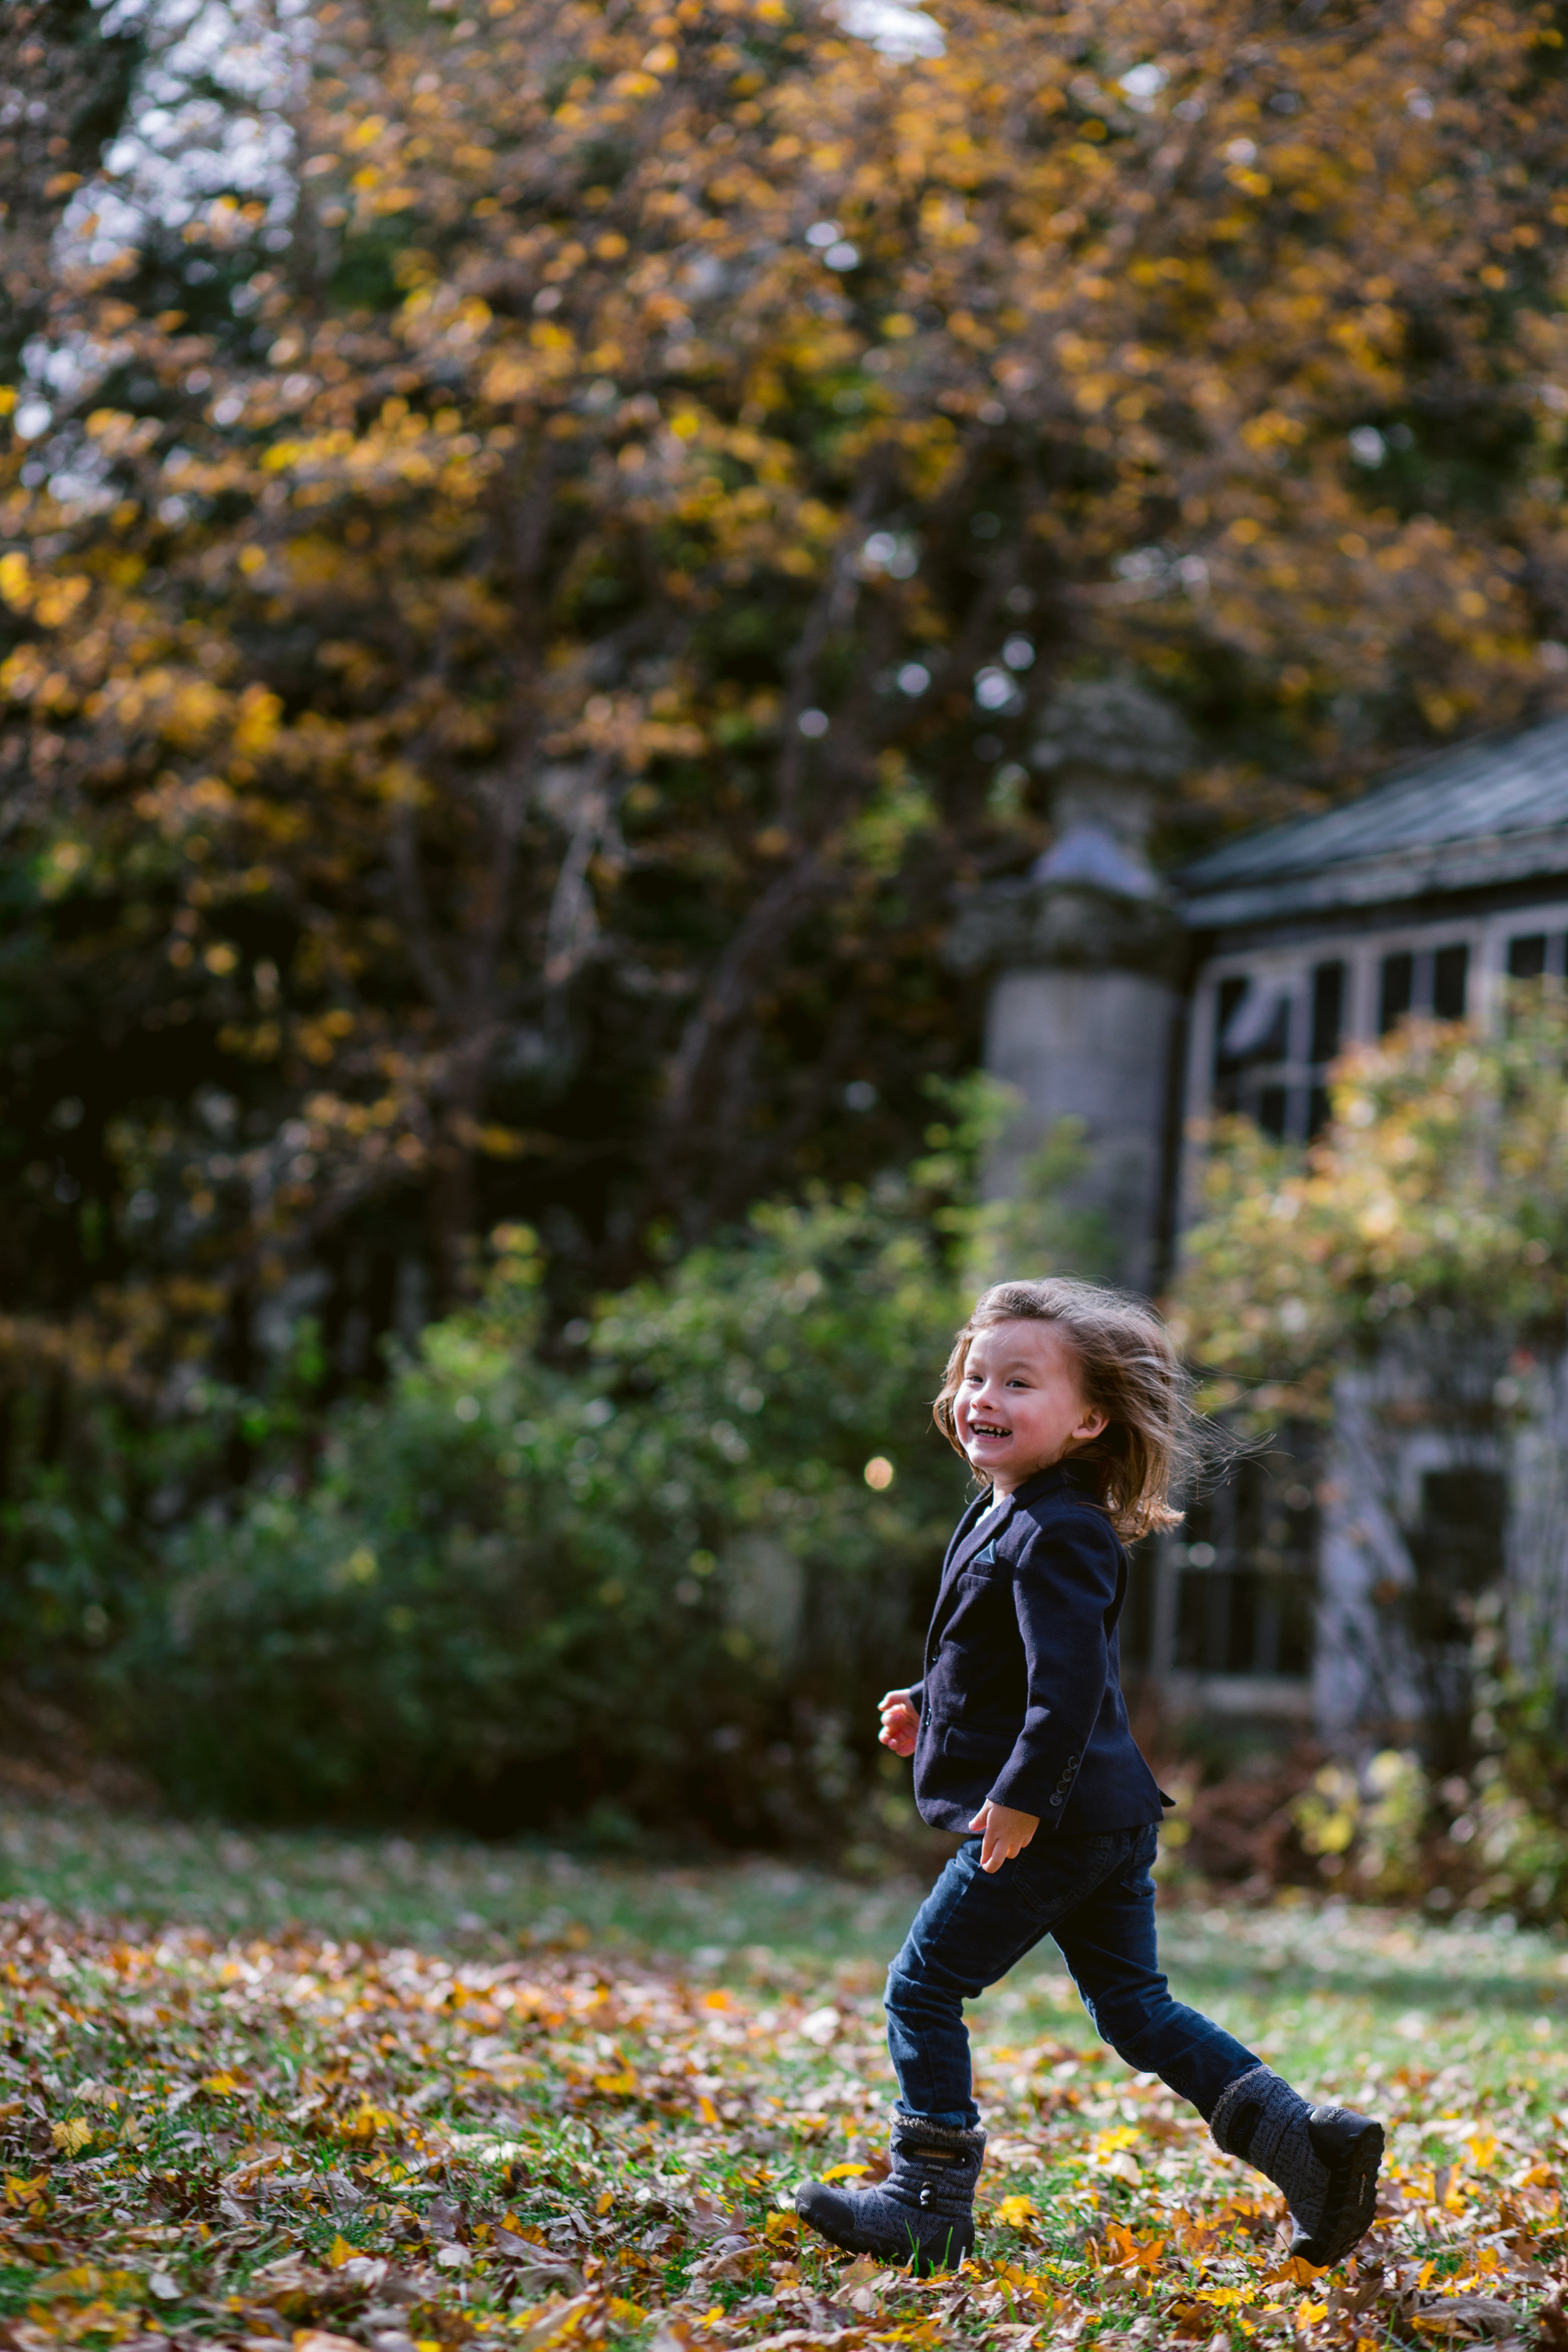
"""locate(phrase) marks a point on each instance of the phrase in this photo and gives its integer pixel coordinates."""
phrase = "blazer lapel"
(974, 1534)
(974, 1513)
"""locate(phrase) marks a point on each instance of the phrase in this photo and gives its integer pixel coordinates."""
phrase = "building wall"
(1269, 1013)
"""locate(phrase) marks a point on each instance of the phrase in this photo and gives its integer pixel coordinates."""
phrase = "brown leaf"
(673, 2334)
(708, 2220)
(1552, 2324)
(1481, 2314)
(540, 2279)
(859, 2274)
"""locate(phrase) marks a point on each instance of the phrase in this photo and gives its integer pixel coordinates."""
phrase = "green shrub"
(664, 1573)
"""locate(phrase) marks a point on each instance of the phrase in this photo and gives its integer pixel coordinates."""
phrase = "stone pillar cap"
(1089, 853)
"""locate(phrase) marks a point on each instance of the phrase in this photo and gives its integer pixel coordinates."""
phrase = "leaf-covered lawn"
(546, 2137)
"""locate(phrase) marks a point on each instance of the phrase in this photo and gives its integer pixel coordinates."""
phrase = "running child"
(1068, 1403)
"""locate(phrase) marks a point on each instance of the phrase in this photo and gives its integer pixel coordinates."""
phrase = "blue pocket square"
(986, 1558)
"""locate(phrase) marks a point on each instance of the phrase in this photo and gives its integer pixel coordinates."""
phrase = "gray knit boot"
(1326, 2159)
(923, 2215)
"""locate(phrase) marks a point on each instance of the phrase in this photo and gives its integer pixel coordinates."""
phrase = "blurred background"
(673, 683)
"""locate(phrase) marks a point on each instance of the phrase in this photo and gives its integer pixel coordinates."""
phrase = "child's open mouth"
(987, 1429)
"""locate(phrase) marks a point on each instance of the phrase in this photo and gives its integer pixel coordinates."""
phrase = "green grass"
(1339, 1996)
(439, 1892)
(249, 2082)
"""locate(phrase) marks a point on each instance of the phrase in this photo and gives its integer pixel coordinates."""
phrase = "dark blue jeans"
(1096, 1896)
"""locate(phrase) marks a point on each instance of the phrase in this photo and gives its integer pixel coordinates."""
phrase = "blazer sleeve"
(1065, 1588)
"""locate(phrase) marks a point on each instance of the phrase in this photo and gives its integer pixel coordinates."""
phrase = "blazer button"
(1057, 1797)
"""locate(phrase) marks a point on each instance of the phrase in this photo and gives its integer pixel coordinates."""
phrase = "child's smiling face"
(1020, 1404)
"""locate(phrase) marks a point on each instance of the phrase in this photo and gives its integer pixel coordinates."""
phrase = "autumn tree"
(516, 666)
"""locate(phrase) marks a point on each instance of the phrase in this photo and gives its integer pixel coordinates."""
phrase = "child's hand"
(1004, 1831)
(900, 1724)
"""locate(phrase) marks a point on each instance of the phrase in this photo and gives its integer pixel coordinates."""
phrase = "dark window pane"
(1451, 970)
(1254, 1025)
(1527, 956)
(1328, 1010)
(1275, 1042)
(1457, 1542)
(1244, 1593)
(1273, 1105)
(1318, 1110)
(1231, 992)
(1135, 1627)
(1457, 1552)
(1397, 984)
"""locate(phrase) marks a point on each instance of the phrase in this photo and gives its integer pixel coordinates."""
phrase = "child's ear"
(1091, 1426)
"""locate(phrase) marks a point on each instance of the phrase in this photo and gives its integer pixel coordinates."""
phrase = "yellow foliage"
(825, 295)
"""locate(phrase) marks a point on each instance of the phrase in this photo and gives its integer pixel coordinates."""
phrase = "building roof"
(1494, 810)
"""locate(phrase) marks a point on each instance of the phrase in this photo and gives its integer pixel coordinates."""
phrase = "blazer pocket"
(958, 1739)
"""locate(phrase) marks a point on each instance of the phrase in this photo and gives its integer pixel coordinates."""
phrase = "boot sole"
(1350, 2148)
(824, 2214)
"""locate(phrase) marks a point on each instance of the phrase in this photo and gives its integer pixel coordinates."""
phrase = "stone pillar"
(1089, 961)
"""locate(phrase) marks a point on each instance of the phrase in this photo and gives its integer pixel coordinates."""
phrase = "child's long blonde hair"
(1131, 1373)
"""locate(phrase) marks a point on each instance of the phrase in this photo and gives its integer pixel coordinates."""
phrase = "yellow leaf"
(338, 2252)
(848, 2173)
(706, 2108)
(1308, 2314)
(15, 587)
(1013, 2212)
(220, 2086)
(367, 2121)
(73, 2136)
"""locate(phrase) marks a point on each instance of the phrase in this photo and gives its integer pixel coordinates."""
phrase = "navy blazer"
(1021, 1699)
